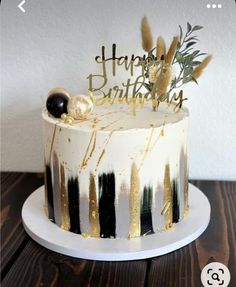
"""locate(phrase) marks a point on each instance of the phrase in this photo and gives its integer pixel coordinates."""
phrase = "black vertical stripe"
(49, 192)
(175, 201)
(73, 201)
(146, 211)
(107, 216)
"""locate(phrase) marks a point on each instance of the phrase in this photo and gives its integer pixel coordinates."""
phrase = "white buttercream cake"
(116, 175)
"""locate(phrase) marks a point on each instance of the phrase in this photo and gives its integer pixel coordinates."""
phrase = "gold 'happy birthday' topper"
(156, 76)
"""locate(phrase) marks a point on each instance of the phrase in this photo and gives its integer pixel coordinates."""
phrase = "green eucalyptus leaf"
(201, 54)
(196, 63)
(192, 38)
(190, 44)
(189, 27)
(186, 80)
(179, 57)
(195, 53)
(180, 33)
(196, 28)
(187, 71)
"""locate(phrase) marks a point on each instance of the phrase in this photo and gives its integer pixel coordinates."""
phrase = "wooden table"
(25, 263)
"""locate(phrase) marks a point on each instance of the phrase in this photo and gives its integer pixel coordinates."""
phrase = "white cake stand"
(52, 237)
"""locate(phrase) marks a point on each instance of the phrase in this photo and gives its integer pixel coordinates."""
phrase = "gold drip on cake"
(161, 134)
(104, 149)
(93, 208)
(90, 150)
(134, 203)
(167, 210)
(147, 148)
(52, 142)
(65, 218)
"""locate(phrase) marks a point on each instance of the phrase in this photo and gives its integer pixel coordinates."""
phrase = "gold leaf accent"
(85, 235)
(166, 208)
(146, 33)
(93, 208)
(65, 220)
(134, 203)
(167, 198)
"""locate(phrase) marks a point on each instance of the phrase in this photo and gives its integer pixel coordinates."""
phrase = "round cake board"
(49, 235)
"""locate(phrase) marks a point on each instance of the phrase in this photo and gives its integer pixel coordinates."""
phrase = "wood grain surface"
(25, 263)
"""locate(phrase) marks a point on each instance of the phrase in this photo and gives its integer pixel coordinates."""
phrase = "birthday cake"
(117, 167)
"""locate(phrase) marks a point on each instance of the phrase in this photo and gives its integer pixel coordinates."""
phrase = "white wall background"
(54, 44)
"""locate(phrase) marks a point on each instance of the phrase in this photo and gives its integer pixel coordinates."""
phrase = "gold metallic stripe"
(168, 210)
(93, 209)
(65, 218)
(134, 203)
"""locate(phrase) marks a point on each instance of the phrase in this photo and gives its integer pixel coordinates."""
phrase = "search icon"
(215, 276)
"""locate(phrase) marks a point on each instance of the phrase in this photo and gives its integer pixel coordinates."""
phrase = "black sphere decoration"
(57, 104)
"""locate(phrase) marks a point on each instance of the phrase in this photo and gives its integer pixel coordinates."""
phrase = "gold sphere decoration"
(79, 107)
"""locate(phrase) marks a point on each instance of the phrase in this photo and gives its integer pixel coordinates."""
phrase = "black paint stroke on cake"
(49, 192)
(56, 189)
(73, 201)
(146, 211)
(175, 201)
(107, 216)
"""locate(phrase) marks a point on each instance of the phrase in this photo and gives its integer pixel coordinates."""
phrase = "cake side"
(117, 175)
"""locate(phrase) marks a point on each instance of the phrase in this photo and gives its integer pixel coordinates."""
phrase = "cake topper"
(157, 81)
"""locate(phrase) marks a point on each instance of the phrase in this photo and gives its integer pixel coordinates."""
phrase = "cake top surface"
(120, 117)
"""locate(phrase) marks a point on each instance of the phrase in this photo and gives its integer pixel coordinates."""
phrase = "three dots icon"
(214, 6)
